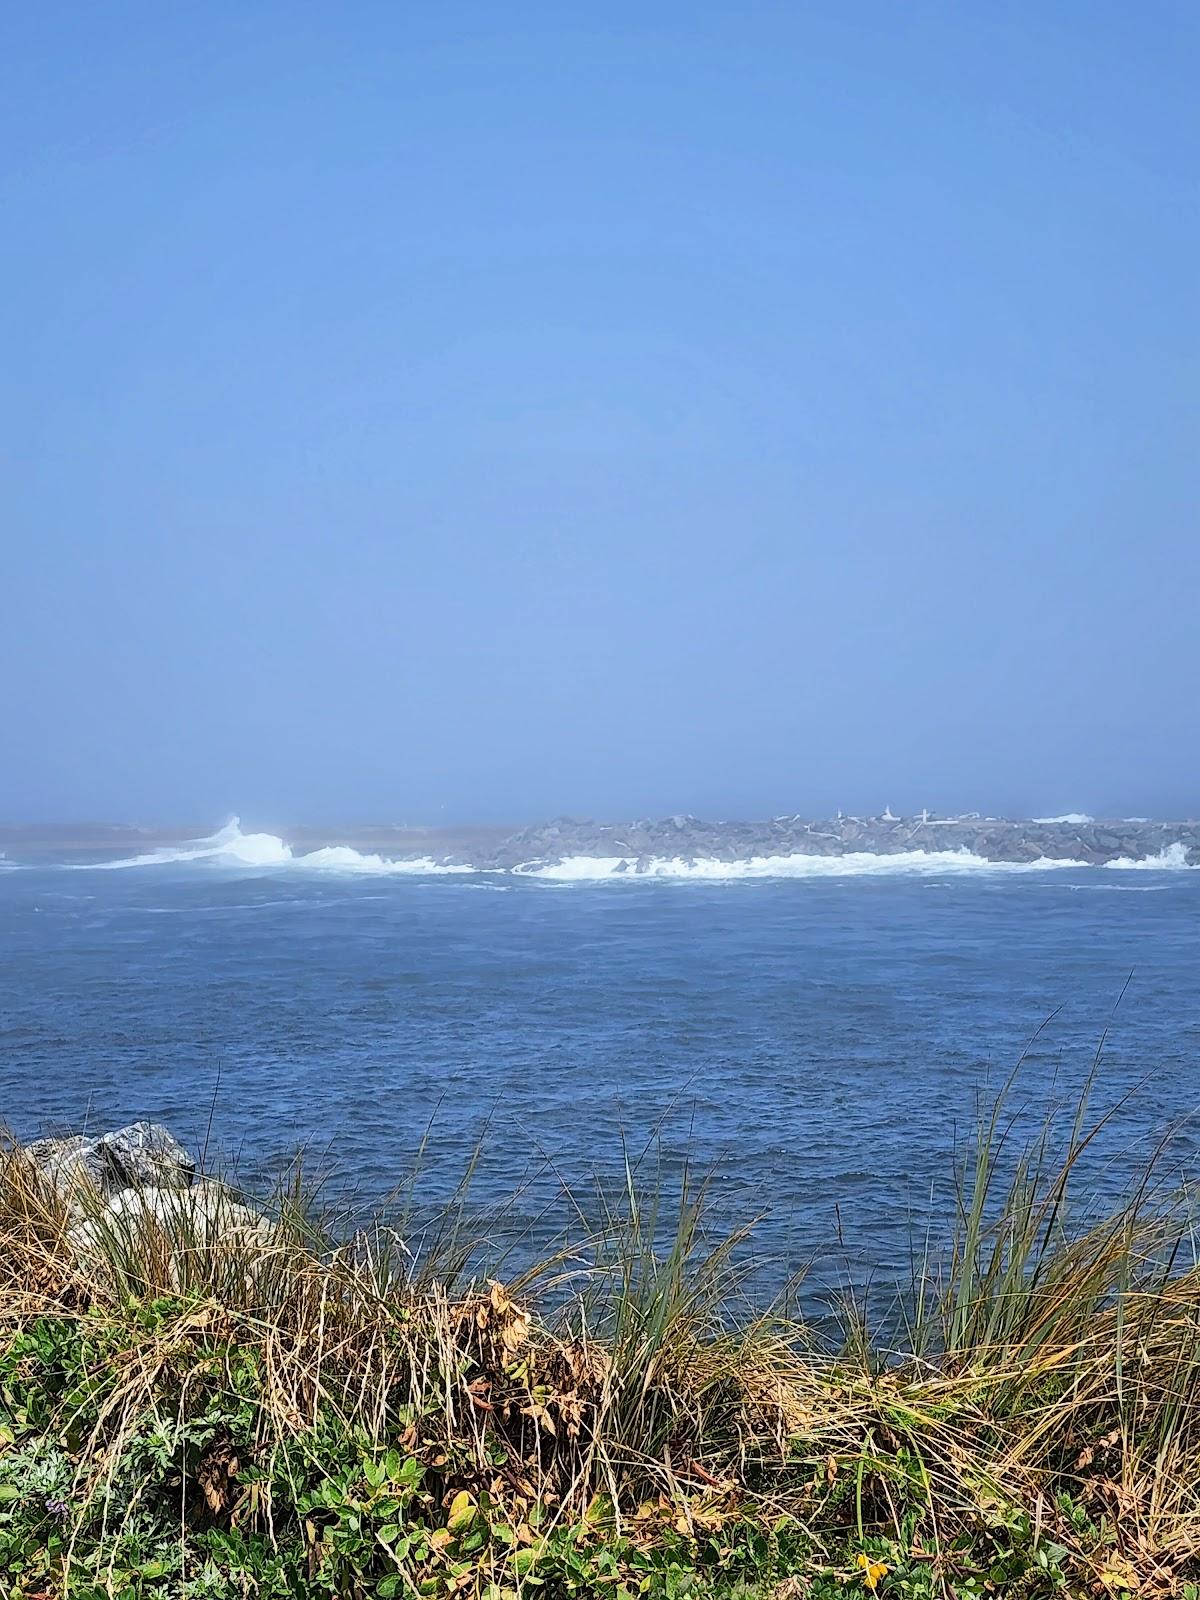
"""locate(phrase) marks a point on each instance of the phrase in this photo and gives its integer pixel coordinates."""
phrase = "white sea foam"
(1172, 858)
(231, 847)
(229, 844)
(590, 869)
(343, 858)
(1076, 818)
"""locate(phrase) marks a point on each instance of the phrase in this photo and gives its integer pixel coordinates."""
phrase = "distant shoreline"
(635, 847)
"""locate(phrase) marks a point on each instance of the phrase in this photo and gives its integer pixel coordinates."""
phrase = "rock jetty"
(640, 844)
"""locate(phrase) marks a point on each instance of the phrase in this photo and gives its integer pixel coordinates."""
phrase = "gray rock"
(185, 1220)
(136, 1209)
(146, 1153)
(70, 1164)
(205, 1212)
(143, 1153)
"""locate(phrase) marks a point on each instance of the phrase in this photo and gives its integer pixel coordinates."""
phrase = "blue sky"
(479, 412)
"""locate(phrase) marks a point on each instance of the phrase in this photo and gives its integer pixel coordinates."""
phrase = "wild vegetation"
(200, 1411)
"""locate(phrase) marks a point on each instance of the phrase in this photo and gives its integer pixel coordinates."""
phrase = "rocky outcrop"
(139, 1179)
(143, 1153)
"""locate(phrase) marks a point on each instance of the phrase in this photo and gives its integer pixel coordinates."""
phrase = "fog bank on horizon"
(451, 417)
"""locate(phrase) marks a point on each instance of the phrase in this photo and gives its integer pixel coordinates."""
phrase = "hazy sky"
(480, 411)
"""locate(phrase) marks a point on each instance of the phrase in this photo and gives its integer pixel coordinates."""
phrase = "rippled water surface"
(819, 1043)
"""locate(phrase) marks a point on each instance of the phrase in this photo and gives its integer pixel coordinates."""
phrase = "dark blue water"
(818, 1044)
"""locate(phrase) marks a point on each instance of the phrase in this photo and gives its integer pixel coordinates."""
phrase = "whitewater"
(231, 848)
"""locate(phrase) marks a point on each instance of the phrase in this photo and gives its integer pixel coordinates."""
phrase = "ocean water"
(815, 1037)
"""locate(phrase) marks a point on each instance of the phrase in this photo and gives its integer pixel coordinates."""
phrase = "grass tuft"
(198, 1400)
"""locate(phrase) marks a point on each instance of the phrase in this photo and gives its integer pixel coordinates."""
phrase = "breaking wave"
(1078, 819)
(228, 844)
(344, 858)
(231, 847)
(589, 869)
(1172, 858)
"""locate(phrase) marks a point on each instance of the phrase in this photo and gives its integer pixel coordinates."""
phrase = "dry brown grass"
(1041, 1364)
